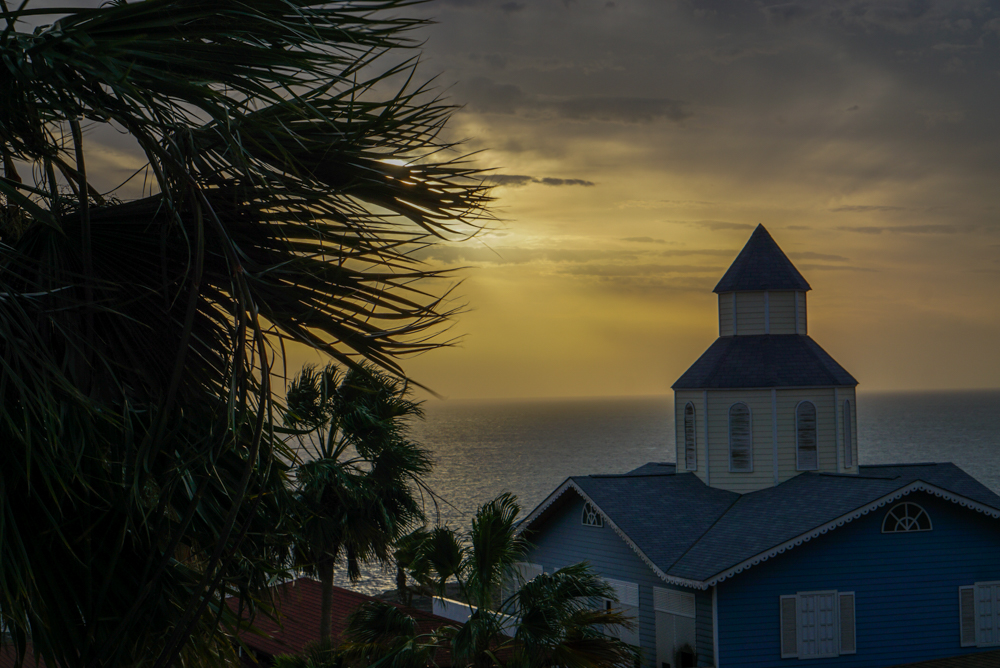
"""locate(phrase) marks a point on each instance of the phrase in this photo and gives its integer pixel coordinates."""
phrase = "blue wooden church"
(767, 543)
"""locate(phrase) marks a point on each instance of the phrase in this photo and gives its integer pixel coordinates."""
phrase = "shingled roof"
(761, 265)
(696, 535)
(765, 360)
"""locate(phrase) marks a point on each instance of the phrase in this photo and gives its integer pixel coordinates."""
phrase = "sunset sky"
(637, 143)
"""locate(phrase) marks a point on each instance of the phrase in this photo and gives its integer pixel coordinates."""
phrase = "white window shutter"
(789, 628)
(987, 614)
(627, 592)
(967, 615)
(679, 603)
(848, 640)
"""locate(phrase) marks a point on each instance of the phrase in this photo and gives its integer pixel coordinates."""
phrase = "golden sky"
(637, 145)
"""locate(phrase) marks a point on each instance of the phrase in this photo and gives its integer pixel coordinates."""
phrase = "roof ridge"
(704, 533)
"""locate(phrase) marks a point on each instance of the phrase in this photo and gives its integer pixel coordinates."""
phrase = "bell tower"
(764, 402)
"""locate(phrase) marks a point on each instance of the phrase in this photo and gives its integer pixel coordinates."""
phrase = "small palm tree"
(357, 487)
(551, 620)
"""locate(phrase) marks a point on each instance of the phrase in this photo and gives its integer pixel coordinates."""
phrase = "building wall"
(563, 540)
(762, 312)
(826, 429)
(759, 402)
(681, 399)
(906, 588)
(844, 394)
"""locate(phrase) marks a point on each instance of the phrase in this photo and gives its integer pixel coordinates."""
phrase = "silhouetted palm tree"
(283, 196)
(551, 620)
(358, 484)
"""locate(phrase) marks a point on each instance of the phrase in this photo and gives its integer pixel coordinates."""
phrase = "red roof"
(298, 605)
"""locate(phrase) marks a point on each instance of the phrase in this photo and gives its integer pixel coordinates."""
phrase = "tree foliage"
(285, 193)
(553, 619)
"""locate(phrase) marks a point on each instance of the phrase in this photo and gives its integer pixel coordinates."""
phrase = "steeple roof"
(761, 265)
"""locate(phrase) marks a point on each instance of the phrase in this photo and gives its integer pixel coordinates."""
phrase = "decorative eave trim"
(916, 486)
(608, 522)
(763, 388)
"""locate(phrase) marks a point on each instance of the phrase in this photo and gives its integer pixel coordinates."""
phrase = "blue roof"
(761, 265)
(695, 532)
(765, 360)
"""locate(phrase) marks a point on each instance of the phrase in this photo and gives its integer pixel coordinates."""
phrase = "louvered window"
(628, 604)
(807, 458)
(848, 445)
(817, 624)
(591, 518)
(979, 614)
(690, 443)
(740, 438)
(906, 517)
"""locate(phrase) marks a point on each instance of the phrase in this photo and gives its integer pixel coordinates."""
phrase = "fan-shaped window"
(690, 445)
(905, 517)
(740, 438)
(592, 518)
(848, 431)
(805, 437)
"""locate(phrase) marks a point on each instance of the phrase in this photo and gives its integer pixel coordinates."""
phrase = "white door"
(817, 614)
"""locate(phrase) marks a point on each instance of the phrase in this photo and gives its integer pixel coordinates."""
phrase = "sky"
(636, 144)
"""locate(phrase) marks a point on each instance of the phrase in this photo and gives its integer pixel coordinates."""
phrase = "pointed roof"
(761, 265)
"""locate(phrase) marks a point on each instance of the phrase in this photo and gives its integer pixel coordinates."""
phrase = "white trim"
(915, 486)
(774, 430)
(694, 435)
(708, 478)
(796, 311)
(767, 312)
(608, 522)
(849, 433)
(734, 314)
(907, 503)
(836, 428)
(715, 627)
(729, 414)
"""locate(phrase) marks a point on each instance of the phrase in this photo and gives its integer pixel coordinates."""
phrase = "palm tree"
(358, 483)
(549, 620)
(283, 198)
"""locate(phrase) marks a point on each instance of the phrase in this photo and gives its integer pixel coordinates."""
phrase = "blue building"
(767, 543)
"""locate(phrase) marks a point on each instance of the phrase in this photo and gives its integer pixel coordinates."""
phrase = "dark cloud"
(809, 255)
(515, 255)
(511, 7)
(832, 267)
(488, 96)
(644, 240)
(798, 227)
(635, 269)
(854, 108)
(704, 251)
(865, 208)
(789, 13)
(719, 225)
(912, 229)
(519, 180)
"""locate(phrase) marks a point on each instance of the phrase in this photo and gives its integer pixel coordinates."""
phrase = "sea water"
(484, 448)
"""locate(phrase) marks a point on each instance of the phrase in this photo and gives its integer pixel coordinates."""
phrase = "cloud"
(854, 108)
(520, 180)
(798, 227)
(516, 255)
(865, 208)
(788, 14)
(704, 251)
(615, 270)
(809, 255)
(912, 229)
(716, 225)
(511, 7)
(832, 267)
(644, 240)
(488, 96)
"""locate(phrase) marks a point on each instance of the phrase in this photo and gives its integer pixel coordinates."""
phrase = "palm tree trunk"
(325, 568)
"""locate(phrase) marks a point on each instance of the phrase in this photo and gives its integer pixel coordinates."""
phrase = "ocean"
(483, 448)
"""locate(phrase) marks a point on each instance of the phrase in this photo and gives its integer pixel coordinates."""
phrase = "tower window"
(592, 518)
(740, 438)
(848, 431)
(906, 517)
(807, 458)
(690, 444)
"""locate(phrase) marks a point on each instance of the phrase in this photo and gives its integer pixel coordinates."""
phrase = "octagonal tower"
(764, 402)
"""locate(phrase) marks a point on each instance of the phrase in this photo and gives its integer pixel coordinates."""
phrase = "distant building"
(767, 543)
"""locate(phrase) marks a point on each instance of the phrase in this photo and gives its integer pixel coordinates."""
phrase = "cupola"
(765, 402)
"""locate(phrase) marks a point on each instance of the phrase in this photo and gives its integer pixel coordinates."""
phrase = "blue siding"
(906, 588)
(562, 540)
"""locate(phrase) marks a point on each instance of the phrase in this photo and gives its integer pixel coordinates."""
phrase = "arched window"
(740, 438)
(690, 444)
(805, 437)
(906, 517)
(592, 518)
(848, 431)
